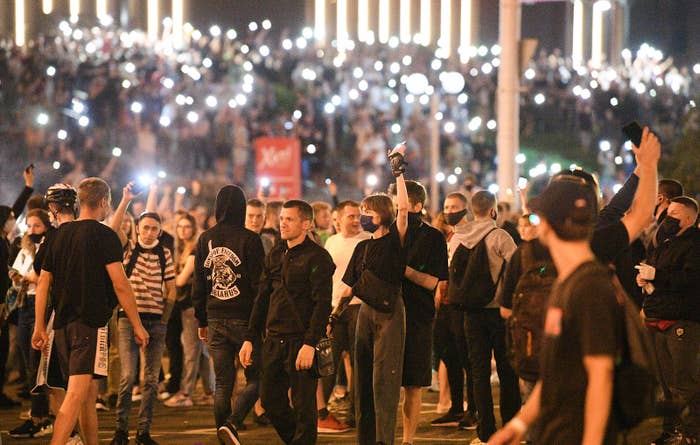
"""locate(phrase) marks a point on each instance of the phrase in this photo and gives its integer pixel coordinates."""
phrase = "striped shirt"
(146, 280)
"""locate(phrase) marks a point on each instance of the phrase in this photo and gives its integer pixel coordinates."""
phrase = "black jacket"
(228, 262)
(303, 277)
(677, 280)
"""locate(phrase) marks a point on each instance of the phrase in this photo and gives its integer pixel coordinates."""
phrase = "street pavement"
(194, 426)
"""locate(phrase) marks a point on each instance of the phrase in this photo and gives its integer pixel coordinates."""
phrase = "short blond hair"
(93, 190)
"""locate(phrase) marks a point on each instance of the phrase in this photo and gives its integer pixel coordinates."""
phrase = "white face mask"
(148, 246)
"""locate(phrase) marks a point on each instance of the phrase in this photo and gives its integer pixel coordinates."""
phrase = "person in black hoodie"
(292, 307)
(228, 263)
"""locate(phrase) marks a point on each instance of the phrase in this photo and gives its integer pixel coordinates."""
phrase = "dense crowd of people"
(332, 309)
(105, 101)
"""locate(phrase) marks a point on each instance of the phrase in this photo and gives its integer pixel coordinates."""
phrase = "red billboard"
(278, 165)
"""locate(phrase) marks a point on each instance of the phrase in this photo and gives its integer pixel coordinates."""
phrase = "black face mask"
(415, 218)
(367, 224)
(669, 227)
(36, 237)
(452, 219)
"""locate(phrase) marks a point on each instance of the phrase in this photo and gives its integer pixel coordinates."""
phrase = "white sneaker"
(179, 400)
(46, 429)
(477, 441)
(165, 395)
(75, 440)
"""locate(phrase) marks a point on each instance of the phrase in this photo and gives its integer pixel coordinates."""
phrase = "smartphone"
(29, 168)
(328, 181)
(633, 131)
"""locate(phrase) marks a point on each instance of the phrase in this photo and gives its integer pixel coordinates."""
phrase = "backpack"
(470, 285)
(525, 325)
(636, 366)
(158, 250)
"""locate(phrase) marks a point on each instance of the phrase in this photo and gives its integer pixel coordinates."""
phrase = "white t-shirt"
(341, 249)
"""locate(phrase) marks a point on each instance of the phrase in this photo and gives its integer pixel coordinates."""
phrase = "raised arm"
(152, 201)
(26, 193)
(642, 209)
(118, 217)
(397, 166)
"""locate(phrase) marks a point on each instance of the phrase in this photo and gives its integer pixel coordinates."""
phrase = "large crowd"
(105, 101)
(333, 307)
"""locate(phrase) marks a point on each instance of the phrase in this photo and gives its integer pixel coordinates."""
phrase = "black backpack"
(158, 250)
(526, 324)
(636, 367)
(470, 285)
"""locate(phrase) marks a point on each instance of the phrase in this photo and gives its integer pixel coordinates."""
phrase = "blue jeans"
(225, 340)
(196, 356)
(129, 353)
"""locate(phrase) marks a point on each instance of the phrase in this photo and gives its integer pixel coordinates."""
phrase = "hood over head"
(231, 206)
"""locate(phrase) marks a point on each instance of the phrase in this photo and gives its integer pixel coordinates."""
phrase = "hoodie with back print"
(228, 263)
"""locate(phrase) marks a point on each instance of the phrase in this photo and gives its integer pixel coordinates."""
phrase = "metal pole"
(434, 153)
(507, 138)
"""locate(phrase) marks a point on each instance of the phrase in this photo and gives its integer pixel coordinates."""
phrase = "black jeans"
(486, 334)
(279, 373)
(450, 345)
(225, 340)
(677, 351)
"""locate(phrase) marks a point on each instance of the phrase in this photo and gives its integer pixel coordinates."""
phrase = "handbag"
(379, 294)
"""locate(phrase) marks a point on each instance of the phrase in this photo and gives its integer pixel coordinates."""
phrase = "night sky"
(671, 25)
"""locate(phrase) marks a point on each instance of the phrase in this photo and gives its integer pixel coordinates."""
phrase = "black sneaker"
(665, 438)
(468, 422)
(26, 430)
(120, 438)
(449, 419)
(145, 439)
(261, 419)
(228, 435)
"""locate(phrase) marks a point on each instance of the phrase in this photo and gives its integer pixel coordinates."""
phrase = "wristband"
(518, 425)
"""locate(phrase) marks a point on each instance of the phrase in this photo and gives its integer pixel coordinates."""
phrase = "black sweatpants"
(486, 334)
(450, 345)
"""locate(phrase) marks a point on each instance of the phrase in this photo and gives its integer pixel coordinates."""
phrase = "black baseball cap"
(569, 201)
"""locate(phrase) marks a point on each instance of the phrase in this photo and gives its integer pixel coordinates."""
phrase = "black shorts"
(81, 350)
(417, 357)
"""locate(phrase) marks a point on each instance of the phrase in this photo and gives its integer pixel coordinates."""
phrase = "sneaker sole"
(448, 424)
(226, 437)
(467, 428)
(333, 431)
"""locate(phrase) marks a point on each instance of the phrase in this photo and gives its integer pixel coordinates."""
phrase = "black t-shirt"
(385, 257)
(426, 252)
(515, 269)
(583, 319)
(608, 241)
(82, 289)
